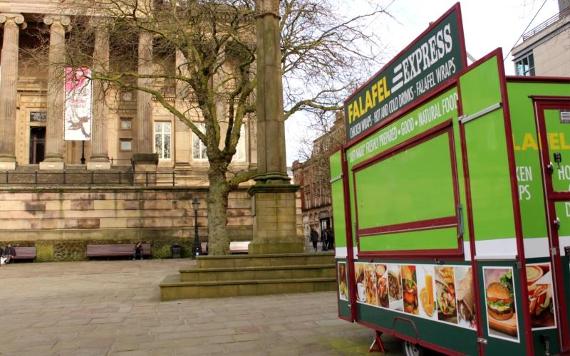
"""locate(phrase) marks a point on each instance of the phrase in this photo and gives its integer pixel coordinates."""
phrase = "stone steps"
(264, 260)
(258, 273)
(240, 275)
(172, 288)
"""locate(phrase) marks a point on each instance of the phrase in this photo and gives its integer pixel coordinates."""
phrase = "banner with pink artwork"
(78, 97)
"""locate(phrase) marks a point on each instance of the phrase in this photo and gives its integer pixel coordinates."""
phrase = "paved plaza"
(113, 308)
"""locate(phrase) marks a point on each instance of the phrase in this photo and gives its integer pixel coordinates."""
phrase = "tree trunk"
(218, 237)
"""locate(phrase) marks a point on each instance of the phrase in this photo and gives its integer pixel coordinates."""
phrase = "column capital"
(63, 20)
(18, 19)
(267, 7)
(99, 22)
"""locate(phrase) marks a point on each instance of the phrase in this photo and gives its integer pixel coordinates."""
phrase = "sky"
(487, 24)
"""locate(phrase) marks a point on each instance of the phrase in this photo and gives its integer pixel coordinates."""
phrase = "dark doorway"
(37, 144)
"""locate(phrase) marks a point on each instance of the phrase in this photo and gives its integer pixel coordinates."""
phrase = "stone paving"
(113, 308)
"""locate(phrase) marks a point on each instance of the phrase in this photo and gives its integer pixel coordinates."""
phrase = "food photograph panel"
(426, 291)
(540, 295)
(409, 289)
(395, 288)
(342, 282)
(445, 294)
(500, 303)
(465, 297)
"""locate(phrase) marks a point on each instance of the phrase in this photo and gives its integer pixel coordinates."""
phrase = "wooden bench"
(239, 247)
(116, 250)
(25, 253)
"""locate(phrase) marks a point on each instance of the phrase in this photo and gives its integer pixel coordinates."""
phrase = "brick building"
(313, 177)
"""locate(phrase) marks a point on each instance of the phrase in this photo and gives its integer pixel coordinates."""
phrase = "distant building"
(313, 176)
(545, 50)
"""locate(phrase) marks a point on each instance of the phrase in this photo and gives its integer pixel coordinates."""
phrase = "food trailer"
(451, 203)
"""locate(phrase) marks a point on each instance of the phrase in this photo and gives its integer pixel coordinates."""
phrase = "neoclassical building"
(134, 175)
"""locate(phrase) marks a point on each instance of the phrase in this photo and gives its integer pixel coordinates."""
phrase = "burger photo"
(499, 301)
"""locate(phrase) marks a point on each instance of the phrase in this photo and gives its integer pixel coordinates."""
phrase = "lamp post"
(197, 247)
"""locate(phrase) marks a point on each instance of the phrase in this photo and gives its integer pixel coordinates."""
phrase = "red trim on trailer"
(541, 104)
(349, 238)
(411, 142)
(469, 214)
(437, 223)
(537, 79)
(442, 222)
(408, 338)
(448, 254)
(461, 36)
(516, 205)
(432, 25)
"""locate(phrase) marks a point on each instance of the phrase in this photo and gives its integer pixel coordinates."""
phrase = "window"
(126, 144)
(162, 134)
(240, 155)
(126, 123)
(525, 65)
(198, 147)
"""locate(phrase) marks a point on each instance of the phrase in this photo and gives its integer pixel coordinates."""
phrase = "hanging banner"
(434, 57)
(78, 97)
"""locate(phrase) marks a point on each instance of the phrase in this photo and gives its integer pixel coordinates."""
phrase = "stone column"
(144, 102)
(99, 150)
(274, 221)
(55, 144)
(183, 135)
(8, 89)
(144, 160)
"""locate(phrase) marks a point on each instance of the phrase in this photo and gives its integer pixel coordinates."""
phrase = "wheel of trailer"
(411, 349)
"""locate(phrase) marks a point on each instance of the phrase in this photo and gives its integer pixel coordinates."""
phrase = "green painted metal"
(416, 177)
(411, 240)
(337, 193)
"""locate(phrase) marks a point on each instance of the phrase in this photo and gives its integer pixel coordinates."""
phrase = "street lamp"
(197, 247)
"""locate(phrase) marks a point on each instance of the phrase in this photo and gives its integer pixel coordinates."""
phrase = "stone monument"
(274, 221)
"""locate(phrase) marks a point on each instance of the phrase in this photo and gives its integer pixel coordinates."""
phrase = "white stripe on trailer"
(496, 249)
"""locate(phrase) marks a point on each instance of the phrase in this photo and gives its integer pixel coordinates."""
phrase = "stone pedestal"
(52, 165)
(8, 165)
(97, 166)
(145, 166)
(274, 219)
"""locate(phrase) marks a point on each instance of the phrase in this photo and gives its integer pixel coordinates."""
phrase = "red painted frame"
(542, 103)
(445, 128)
(426, 96)
(470, 227)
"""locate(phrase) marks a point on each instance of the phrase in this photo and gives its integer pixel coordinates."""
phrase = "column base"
(52, 165)
(145, 166)
(7, 166)
(97, 166)
(275, 219)
(275, 247)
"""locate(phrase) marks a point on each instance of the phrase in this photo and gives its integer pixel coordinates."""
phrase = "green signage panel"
(434, 57)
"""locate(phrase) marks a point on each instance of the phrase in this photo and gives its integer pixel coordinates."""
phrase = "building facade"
(545, 50)
(313, 177)
(134, 176)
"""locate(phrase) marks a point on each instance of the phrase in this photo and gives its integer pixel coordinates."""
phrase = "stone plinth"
(145, 165)
(97, 166)
(274, 229)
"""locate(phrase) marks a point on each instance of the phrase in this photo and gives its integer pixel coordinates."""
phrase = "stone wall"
(60, 222)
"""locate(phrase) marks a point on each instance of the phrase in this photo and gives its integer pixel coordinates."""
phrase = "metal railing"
(87, 178)
(562, 14)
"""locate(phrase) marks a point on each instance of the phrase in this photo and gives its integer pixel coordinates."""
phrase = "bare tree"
(207, 51)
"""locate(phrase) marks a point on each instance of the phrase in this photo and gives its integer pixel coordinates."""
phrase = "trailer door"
(553, 124)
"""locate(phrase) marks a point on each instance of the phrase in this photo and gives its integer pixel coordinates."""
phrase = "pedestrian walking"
(314, 236)
(325, 239)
